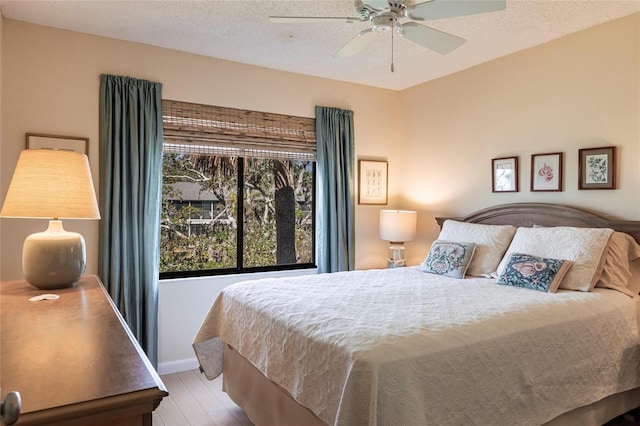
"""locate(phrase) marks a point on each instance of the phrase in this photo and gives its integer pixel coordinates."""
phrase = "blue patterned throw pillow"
(448, 258)
(536, 273)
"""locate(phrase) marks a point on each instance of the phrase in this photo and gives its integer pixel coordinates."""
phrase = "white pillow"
(616, 272)
(584, 247)
(491, 242)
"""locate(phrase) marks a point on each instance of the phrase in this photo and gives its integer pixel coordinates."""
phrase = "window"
(238, 191)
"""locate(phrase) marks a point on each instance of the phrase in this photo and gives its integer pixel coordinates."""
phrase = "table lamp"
(52, 184)
(397, 226)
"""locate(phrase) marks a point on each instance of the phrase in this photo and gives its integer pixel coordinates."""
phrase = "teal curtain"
(335, 202)
(130, 196)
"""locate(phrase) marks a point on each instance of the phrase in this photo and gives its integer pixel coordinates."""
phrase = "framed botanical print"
(372, 182)
(597, 168)
(546, 172)
(504, 174)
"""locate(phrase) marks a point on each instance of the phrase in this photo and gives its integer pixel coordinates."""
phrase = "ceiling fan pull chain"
(392, 31)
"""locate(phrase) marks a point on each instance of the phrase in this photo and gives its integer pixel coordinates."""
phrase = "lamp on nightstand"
(397, 226)
(52, 184)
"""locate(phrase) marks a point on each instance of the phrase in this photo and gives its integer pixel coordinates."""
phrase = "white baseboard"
(177, 366)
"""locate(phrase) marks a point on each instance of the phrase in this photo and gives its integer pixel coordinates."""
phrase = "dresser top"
(72, 350)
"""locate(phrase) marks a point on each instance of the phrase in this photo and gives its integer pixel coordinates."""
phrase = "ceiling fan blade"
(293, 19)
(357, 43)
(438, 9)
(431, 38)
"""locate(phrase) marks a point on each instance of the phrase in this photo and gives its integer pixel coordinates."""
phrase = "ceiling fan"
(388, 16)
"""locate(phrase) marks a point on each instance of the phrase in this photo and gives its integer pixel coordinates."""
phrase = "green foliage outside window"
(277, 213)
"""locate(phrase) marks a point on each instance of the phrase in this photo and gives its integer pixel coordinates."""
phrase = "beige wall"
(439, 137)
(577, 92)
(50, 83)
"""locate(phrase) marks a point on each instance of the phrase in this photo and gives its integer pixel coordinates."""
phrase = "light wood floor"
(195, 401)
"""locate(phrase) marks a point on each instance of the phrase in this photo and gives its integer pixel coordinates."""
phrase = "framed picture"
(69, 143)
(504, 174)
(372, 182)
(597, 168)
(546, 172)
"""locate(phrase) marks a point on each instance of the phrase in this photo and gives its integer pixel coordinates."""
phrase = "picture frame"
(597, 168)
(372, 182)
(504, 174)
(68, 143)
(546, 172)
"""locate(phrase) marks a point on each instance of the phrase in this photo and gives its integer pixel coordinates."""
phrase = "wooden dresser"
(74, 360)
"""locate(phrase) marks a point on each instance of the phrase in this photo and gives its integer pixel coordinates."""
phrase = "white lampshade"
(398, 225)
(52, 184)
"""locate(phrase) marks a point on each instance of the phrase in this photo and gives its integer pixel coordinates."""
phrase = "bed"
(413, 347)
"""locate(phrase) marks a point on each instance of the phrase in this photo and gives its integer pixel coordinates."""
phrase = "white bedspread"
(403, 347)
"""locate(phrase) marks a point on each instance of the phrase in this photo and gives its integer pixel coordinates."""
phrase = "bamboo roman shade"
(205, 129)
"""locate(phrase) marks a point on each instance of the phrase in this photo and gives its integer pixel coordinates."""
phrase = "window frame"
(240, 268)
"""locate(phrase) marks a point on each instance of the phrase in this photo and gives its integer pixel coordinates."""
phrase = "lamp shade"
(398, 225)
(50, 184)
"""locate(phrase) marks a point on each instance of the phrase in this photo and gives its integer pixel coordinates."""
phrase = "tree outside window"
(202, 231)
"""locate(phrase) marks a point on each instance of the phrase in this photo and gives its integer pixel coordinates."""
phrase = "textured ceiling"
(240, 31)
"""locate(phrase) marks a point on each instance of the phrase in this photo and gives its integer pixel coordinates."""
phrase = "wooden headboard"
(542, 214)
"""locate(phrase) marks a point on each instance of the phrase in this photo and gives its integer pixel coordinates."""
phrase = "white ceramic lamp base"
(54, 258)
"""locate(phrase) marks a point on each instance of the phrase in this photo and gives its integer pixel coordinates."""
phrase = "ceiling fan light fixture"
(383, 22)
